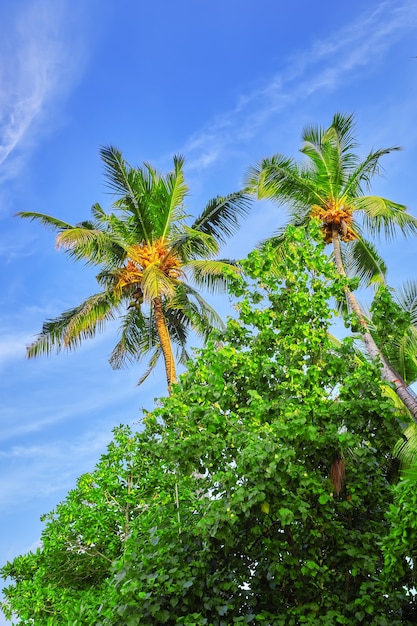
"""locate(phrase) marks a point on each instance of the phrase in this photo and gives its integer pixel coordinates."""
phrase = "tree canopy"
(258, 493)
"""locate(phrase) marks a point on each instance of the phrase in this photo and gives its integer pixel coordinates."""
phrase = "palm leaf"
(46, 220)
(131, 185)
(380, 214)
(74, 325)
(191, 243)
(220, 217)
(178, 323)
(344, 125)
(138, 336)
(325, 158)
(406, 448)
(213, 275)
(406, 356)
(362, 260)
(280, 179)
(399, 406)
(156, 283)
(151, 365)
(196, 310)
(92, 246)
(331, 154)
(175, 189)
(407, 298)
(364, 172)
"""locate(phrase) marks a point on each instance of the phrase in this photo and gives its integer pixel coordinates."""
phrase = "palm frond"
(360, 178)
(156, 283)
(188, 309)
(151, 365)
(380, 214)
(100, 216)
(179, 324)
(213, 275)
(92, 246)
(116, 170)
(46, 220)
(282, 180)
(176, 190)
(185, 294)
(406, 448)
(220, 218)
(407, 298)
(138, 336)
(277, 240)
(404, 358)
(131, 185)
(324, 159)
(74, 325)
(362, 260)
(400, 408)
(330, 153)
(344, 125)
(190, 243)
(396, 335)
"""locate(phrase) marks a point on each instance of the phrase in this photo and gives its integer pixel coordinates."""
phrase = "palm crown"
(332, 186)
(148, 258)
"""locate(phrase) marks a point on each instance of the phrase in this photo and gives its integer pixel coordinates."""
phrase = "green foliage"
(330, 185)
(85, 534)
(394, 333)
(256, 493)
(400, 545)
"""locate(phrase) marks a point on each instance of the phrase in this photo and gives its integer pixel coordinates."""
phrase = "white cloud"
(324, 67)
(13, 346)
(42, 470)
(43, 415)
(40, 58)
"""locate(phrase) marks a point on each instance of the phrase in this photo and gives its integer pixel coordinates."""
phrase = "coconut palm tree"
(149, 259)
(332, 186)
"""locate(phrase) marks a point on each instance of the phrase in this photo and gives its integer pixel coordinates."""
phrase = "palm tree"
(331, 187)
(148, 258)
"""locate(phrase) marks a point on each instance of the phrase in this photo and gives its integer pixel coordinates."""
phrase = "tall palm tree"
(331, 186)
(148, 258)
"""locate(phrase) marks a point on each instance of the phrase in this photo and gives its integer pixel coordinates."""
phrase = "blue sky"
(225, 83)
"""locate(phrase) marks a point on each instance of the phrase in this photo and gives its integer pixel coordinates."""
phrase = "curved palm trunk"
(165, 340)
(387, 371)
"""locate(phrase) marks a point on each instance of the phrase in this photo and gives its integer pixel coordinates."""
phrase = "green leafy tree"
(256, 494)
(400, 544)
(393, 324)
(64, 580)
(149, 257)
(331, 186)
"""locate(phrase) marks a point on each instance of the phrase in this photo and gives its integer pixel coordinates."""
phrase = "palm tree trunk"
(165, 340)
(387, 371)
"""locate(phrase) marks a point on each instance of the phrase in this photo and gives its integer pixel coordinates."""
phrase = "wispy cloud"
(12, 346)
(329, 63)
(40, 59)
(47, 469)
